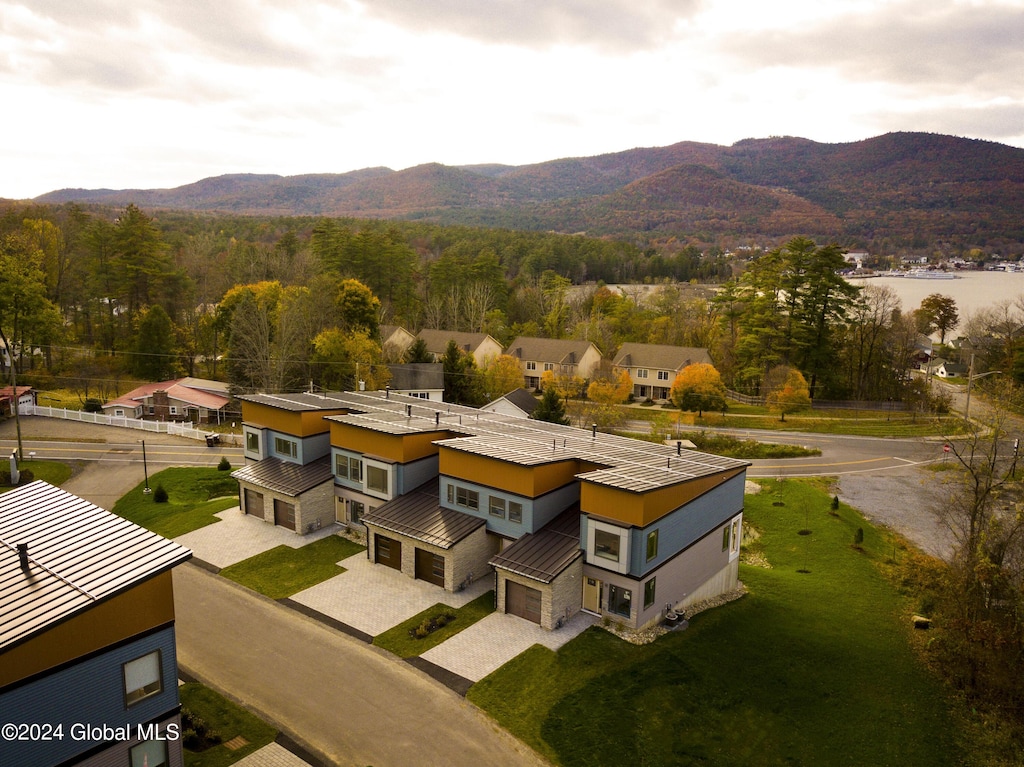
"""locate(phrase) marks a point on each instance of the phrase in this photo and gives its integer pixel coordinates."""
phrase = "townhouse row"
(561, 519)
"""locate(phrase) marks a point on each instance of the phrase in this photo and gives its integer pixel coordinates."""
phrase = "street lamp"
(145, 470)
(970, 381)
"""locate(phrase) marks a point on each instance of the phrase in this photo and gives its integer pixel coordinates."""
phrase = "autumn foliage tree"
(500, 375)
(611, 391)
(698, 387)
(792, 396)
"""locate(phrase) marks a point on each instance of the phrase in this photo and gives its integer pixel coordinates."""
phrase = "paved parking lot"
(372, 598)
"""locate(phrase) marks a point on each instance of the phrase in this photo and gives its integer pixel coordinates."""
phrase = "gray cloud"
(996, 123)
(608, 24)
(917, 43)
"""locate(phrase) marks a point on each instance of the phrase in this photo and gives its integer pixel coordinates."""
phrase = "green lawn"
(194, 495)
(398, 641)
(54, 472)
(229, 721)
(283, 571)
(810, 668)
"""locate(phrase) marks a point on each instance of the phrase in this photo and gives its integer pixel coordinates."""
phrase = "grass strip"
(810, 668)
(54, 472)
(194, 495)
(398, 641)
(283, 571)
(229, 721)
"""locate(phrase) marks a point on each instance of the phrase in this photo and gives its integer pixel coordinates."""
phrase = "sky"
(159, 93)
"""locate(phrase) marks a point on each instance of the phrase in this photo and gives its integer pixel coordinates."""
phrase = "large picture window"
(377, 479)
(142, 678)
(606, 545)
(620, 601)
(252, 442)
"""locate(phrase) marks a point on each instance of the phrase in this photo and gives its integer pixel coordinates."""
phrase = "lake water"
(971, 290)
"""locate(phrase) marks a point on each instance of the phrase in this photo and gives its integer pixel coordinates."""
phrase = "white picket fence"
(181, 429)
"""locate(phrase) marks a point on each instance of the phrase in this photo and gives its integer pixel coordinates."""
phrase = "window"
(606, 545)
(377, 479)
(735, 536)
(620, 601)
(347, 467)
(252, 442)
(725, 537)
(285, 447)
(174, 409)
(497, 507)
(531, 365)
(467, 498)
(652, 545)
(548, 366)
(152, 753)
(142, 678)
(355, 511)
(421, 394)
(641, 373)
(119, 413)
(515, 512)
(649, 589)
(662, 375)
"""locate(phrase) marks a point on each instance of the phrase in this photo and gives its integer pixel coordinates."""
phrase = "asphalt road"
(351, 703)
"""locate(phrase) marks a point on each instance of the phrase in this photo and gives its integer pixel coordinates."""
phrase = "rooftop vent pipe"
(23, 555)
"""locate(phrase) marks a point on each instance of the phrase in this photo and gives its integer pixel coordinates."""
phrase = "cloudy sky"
(158, 93)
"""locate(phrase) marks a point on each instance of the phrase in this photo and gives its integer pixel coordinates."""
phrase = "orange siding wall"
(297, 423)
(529, 481)
(148, 605)
(641, 509)
(401, 448)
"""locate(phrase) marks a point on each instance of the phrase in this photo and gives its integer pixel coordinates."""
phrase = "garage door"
(388, 551)
(284, 514)
(254, 503)
(430, 567)
(522, 601)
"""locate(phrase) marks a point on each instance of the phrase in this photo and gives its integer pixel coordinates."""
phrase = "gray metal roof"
(418, 515)
(79, 555)
(285, 477)
(620, 462)
(413, 376)
(546, 553)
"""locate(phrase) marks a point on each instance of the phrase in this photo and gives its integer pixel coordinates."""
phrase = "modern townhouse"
(88, 670)
(561, 519)
(559, 357)
(653, 367)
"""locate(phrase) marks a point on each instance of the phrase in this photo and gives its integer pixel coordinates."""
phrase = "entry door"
(388, 551)
(522, 601)
(430, 567)
(592, 595)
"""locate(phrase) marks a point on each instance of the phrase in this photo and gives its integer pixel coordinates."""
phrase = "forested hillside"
(900, 190)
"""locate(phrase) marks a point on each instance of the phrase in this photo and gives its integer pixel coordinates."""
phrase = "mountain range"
(914, 189)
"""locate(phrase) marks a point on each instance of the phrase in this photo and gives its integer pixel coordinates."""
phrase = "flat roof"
(624, 463)
(418, 515)
(79, 555)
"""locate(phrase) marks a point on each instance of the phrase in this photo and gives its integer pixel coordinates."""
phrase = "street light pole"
(145, 470)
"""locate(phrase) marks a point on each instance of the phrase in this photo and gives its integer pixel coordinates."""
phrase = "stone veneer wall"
(564, 593)
(470, 555)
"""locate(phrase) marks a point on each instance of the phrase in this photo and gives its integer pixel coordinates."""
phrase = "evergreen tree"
(550, 408)
(154, 358)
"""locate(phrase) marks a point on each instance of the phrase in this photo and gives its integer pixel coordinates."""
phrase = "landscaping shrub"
(835, 503)
(159, 495)
(858, 537)
(431, 624)
(92, 405)
(196, 734)
(224, 465)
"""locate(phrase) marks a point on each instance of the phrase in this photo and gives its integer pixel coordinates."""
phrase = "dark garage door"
(389, 552)
(254, 503)
(430, 567)
(284, 514)
(522, 601)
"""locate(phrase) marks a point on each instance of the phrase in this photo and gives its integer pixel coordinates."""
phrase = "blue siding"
(412, 475)
(537, 512)
(88, 692)
(308, 449)
(686, 525)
